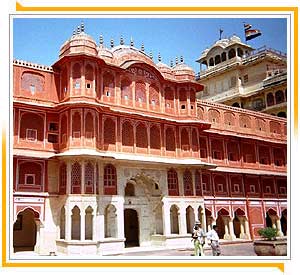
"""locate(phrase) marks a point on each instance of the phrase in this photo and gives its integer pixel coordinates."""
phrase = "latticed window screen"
(198, 183)
(170, 140)
(188, 183)
(89, 174)
(110, 176)
(173, 183)
(62, 178)
(97, 179)
(76, 178)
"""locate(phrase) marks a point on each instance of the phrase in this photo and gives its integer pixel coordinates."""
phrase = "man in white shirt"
(212, 236)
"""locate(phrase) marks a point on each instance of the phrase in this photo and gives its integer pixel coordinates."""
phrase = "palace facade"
(112, 150)
(235, 74)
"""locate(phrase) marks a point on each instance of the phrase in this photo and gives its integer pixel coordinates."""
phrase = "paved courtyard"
(241, 249)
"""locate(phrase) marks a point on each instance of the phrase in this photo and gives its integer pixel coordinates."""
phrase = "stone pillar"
(82, 177)
(38, 237)
(82, 224)
(226, 225)
(95, 231)
(180, 182)
(242, 229)
(279, 230)
(120, 219)
(166, 219)
(182, 221)
(203, 220)
(68, 226)
(100, 224)
(231, 229)
(247, 229)
(69, 183)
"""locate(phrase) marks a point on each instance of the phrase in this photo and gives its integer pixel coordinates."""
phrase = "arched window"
(185, 141)
(89, 77)
(270, 99)
(89, 126)
(198, 187)
(76, 125)
(188, 183)
(236, 104)
(279, 96)
(170, 140)
(127, 134)
(217, 59)
(173, 183)
(76, 76)
(32, 127)
(62, 178)
(141, 136)
(110, 220)
(110, 180)
(108, 85)
(63, 130)
(223, 57)
(231, 54)
(154, 137)
(211, 62)
(140, 93)
(76, 178)
(89, 178)
(75, 223)
(126, 93)
(240, 52)
(174, 219)
(153, 97)
(109, 131)
(190, 219)
(89, 223)
(195, 146)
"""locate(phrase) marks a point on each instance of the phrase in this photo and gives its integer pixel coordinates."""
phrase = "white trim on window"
(31, 134)
(27, 177)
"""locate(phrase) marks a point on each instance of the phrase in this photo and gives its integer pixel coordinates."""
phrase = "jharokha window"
(76, 178)
(89, 178)
(110, 180)
(173, 183)
(188, 183)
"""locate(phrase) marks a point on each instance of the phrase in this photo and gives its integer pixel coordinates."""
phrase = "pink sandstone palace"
(112, 150)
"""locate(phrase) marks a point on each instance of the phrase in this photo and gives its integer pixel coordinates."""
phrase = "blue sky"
(39, 39)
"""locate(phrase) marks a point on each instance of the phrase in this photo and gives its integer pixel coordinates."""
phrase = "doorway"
(131, 228)
(24, 231)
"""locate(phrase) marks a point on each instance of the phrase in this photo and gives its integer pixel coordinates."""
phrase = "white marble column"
(242, 229)
(38, 238)
(247, 229)
(226, 225)
(182, 221)
(279, 230)
(68, 229)
(82, 224)
(231, 229)
(166, 219)
(120, 220)
(94, 237)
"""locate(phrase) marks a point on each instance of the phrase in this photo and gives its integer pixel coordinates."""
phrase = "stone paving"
(241, 249)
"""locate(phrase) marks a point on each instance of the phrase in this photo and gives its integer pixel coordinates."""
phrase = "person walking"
(213, 237)
(199, 239)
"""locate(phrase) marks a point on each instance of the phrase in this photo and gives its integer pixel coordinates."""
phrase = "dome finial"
(176, 60)
(121, 40)
(151, 55)
(131, 42)
(171, 63)
(101, 41)
(143, 47)
(159, 57)
(78, 29)
(181, 59)
(74, 32)
(111, 43)
(82, 27)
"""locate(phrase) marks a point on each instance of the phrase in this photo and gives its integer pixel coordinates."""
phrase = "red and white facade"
(113, 150)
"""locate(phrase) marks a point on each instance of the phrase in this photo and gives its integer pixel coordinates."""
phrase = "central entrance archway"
(131, 228)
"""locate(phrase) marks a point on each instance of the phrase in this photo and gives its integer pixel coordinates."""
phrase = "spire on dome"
(111, 43)
(82, 27)
(101, 41)
(159, 57)
(143, 47)
(131, 42)
(121, 40)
